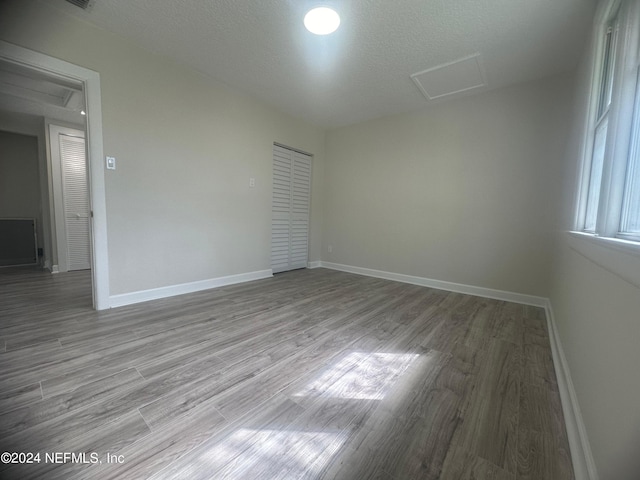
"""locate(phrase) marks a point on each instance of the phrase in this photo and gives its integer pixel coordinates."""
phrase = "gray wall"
(19, 179)
(464, 192)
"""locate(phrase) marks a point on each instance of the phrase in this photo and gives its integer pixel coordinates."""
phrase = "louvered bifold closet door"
(76, 201)
(301, 186)
(281, 209)
(290, 209)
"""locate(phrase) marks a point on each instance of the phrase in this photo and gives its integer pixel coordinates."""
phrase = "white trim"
(181, 289)
(55, 269)
(619, 257)
(443, 285)
(620, 244)
(584, 466)
(286, 147)
(317, 264)
(91, 86)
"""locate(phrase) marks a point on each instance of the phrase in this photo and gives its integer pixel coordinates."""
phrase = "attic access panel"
(83, 4)
(451, 78)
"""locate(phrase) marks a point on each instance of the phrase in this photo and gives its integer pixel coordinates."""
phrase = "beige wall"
(20, 179)
(464, 192)
(595, 297)
(598, 317)
(179, 206)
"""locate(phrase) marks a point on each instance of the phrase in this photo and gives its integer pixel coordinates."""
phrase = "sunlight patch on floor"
(360, 376)
(274, 453)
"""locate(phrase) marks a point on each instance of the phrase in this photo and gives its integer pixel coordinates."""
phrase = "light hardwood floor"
(313, 374)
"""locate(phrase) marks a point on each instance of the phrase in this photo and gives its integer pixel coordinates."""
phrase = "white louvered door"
(281, 209)
(301, 188)
(76, 201)
(290, 209)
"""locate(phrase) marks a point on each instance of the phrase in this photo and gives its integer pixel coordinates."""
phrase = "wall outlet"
(330, 248)
(111, 163)
(252, 182)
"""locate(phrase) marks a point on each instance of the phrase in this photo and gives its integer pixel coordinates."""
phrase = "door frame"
(97, 196)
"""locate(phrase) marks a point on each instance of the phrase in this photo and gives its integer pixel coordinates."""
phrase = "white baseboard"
(442, 285)
(584, 466)
(170, 291)
(582, 458)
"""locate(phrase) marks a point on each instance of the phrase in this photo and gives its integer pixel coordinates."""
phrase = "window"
(601, 127)
(630, 225)
(610, 199)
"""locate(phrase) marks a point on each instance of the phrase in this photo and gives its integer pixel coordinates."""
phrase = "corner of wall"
(584, 466)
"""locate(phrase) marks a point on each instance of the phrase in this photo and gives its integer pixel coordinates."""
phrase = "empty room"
(299, 239)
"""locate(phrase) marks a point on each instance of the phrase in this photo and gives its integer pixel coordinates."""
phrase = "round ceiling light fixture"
(322, 20)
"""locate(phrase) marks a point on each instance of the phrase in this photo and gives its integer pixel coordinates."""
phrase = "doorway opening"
(82, 223)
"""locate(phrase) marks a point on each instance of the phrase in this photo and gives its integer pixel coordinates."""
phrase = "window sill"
(626, 246)
(620, 257)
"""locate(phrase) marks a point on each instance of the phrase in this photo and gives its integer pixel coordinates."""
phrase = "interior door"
(290, 209)
(76, 201)
(70, 198)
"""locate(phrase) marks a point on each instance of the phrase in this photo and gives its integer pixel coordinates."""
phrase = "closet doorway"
(290, 209)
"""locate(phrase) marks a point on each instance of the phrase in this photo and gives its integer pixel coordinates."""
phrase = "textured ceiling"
(363, 70)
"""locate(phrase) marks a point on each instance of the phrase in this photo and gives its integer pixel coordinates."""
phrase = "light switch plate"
(111, 163)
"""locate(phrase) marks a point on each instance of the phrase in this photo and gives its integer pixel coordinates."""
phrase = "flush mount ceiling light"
(322, 20)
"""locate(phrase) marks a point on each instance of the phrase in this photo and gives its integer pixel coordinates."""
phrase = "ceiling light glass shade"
(322, 20)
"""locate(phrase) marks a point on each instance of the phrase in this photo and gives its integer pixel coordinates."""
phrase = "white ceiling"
(363, 70)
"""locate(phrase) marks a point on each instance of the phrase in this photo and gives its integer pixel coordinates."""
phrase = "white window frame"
(625, 14)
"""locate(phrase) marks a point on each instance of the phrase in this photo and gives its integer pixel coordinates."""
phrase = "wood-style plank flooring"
(313, 374)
